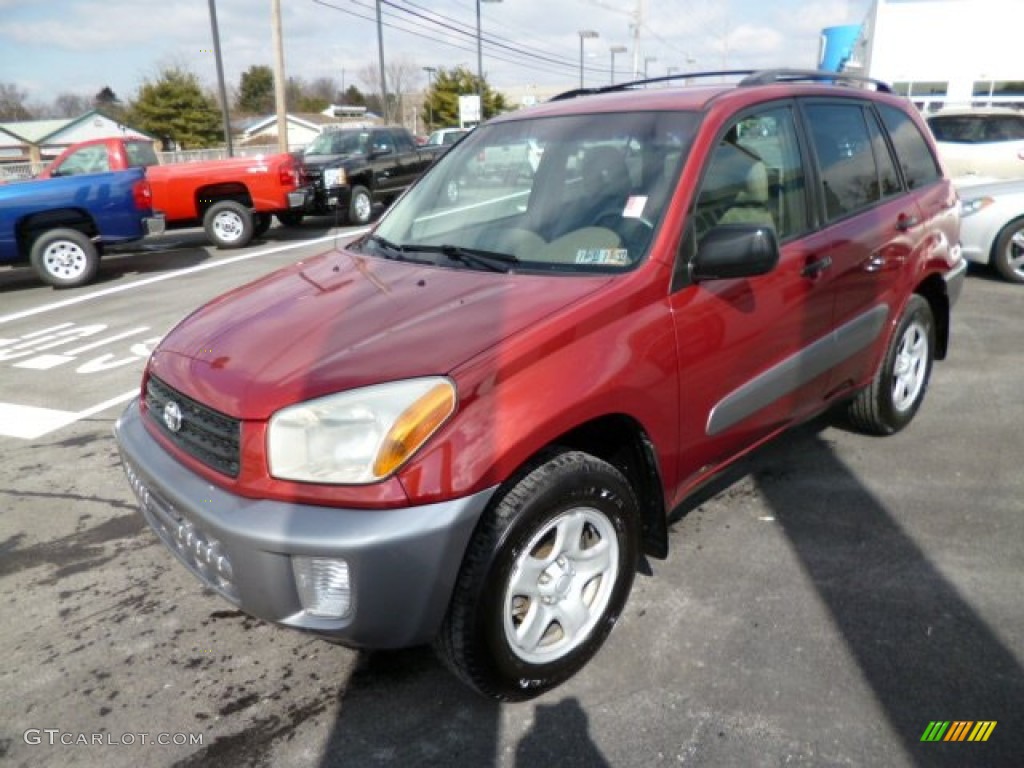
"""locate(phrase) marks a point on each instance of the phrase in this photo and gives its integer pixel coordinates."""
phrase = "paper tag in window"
(616, 257)
(634, 207)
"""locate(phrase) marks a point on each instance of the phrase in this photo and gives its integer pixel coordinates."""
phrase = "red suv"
(467, 425)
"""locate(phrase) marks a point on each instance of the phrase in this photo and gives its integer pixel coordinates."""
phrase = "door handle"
(815, 268)
(906, 221)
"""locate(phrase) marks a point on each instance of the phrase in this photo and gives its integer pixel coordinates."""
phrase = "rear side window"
(849, 176)
(140, 154)
(977, 129)
(403, 143)
(915, 157)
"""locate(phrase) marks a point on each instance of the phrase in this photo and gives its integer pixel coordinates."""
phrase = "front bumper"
(402, 563)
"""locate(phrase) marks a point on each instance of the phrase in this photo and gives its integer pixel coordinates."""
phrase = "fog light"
(323, 586)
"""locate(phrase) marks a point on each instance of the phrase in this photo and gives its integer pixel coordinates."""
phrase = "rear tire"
(544, 579)
(1008, 254)
(889, 403)
(228, 224)
(360, 207)
(64, 258)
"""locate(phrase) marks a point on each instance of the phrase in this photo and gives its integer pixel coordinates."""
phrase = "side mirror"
(735, 250)
(380, 150)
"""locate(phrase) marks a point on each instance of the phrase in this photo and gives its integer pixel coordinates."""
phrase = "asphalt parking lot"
(821, 606)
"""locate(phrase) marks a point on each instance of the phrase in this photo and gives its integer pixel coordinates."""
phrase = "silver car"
(992, 226)
(987, 142)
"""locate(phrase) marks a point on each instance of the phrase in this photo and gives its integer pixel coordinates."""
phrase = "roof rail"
(768, 76)
(750, 77)
(647, 81)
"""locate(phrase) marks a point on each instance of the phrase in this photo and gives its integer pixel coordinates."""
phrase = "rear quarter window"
(915, 156)
(140, 154)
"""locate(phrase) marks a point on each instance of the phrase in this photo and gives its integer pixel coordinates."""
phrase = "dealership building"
(953, 52)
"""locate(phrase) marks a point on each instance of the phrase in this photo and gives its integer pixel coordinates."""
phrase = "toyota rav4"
(468, 425)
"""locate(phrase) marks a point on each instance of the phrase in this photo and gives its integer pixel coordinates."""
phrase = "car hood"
(344, 320)
(326, 161)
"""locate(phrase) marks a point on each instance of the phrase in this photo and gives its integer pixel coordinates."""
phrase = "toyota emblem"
(172, 416)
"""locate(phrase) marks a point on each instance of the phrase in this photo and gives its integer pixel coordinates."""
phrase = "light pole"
(585, 34)
(480, 57)
(430, 97)
(648, 60)
(615, 49)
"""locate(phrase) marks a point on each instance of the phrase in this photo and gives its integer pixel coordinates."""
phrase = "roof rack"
(647, 81)
(767, 76)
(750, 77)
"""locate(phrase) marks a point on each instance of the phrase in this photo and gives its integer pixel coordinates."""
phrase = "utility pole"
(383, 77)
(220, 78)
(279, 100)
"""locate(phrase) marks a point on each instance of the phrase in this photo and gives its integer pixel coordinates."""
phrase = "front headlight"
(357, 437)
(974, 204)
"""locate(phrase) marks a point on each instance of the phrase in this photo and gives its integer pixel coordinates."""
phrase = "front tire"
(64, 258)
(1008, 255)
(544, 579)
(360, 207)
(889, 403)
(228, 224)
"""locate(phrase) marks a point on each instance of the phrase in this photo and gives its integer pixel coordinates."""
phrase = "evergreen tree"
(256, 91)
(175, 107)
(442, 100)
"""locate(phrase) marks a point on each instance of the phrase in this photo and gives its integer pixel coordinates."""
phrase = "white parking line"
(29, 422)
(170, 275)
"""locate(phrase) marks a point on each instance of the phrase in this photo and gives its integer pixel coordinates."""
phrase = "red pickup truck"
(233, 199)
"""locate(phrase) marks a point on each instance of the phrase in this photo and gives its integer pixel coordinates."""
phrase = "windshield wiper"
(392, 250)
(492, 260)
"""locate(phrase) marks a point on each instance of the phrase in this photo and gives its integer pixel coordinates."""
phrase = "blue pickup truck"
(61, 225)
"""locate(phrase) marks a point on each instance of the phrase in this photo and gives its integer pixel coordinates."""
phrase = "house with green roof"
(39, 141)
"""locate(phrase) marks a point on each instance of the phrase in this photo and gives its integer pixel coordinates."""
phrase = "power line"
(503, 54)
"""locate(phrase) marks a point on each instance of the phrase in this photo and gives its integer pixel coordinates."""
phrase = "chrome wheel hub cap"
(560, 585)
(910, 367)
(65, 260)
(228, 226)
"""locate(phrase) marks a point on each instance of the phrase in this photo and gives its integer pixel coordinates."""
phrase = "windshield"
(338, 143)
(580, 193)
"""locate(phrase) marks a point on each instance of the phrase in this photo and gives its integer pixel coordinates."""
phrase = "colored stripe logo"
(958, 730)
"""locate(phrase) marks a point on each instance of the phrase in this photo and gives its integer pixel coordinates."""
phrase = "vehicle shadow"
(404, 708)
(926, 654)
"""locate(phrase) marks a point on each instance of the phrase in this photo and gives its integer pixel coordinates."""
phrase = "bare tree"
(402, 75)
(12, 103)
(71, 105)
(325, 88)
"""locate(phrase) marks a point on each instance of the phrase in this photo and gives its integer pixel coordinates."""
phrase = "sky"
(80, 46)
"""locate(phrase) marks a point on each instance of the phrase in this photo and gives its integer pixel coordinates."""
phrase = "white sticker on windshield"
(634, 207)
(617, 257)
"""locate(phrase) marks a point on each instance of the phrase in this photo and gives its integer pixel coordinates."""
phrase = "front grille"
(207, 435)
(313, 176)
